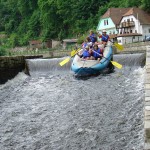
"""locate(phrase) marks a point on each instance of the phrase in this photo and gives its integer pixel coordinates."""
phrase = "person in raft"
(104, 37)
(92, 37)
(87, 43)
(97, 53)
(87, 53)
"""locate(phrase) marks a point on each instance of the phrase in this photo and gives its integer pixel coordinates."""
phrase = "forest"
(23, 20)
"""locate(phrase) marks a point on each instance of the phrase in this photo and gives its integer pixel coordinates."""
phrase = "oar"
(116, 64)
(64, 61)
(73, 52)
(68, 59)
(118, 46)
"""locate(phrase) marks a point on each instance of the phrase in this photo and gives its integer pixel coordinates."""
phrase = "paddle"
(68, 59)
(116, 64)
(118, 46)
(73, 52)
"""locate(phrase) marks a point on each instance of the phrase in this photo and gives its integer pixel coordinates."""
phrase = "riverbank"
(11, 66)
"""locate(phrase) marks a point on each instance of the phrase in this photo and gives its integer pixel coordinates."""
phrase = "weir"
(50, 109)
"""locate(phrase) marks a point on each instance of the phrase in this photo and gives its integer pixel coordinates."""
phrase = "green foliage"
(13, 40)
(81, 39)
(55, 19)
(2, 51)
(131, 3)
(146, 5)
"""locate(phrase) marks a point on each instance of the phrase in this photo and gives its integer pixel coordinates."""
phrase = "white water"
(54, 111)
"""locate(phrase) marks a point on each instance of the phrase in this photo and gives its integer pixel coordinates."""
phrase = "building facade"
(128, 25)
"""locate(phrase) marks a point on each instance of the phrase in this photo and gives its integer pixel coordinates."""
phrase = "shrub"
(3, 51)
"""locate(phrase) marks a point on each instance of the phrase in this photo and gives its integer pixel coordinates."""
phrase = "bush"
(13, 40)
(81, 39)
(3, 51)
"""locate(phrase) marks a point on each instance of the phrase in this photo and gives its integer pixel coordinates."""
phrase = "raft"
(92, 67)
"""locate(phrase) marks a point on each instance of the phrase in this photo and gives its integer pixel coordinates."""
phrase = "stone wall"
(10, 66)
(134, 47)
(147, 101)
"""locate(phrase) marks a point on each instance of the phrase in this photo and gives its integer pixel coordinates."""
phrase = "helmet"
(104, 30)
(89, 44)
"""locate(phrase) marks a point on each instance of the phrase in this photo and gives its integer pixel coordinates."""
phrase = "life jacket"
(87, 44)
(99, 51)
(86, 54)
(93, 38)
(105, 38)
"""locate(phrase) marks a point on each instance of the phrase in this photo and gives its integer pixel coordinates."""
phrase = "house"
(38, 44)
(35, 44)
(134, 26)
(109, 21)
(126, 25)
(67, 42)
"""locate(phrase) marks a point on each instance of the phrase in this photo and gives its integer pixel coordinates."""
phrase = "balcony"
(126, 24)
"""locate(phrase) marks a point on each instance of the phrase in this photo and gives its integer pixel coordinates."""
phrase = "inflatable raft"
(83, 67)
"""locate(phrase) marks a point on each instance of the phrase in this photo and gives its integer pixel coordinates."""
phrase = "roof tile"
(115, 14)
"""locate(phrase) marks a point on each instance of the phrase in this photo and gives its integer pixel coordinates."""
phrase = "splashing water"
(52, 110)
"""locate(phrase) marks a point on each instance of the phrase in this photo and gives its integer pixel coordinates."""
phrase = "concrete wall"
(134, 47)
(10, 66)
(147, 101)
(55, 43)
(131, 39)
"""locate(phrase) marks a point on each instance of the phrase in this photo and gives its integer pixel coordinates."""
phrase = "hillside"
(23, 20)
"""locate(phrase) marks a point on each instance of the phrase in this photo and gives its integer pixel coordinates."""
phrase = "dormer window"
(105, 22)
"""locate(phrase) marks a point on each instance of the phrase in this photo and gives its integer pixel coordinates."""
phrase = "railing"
(125, 24)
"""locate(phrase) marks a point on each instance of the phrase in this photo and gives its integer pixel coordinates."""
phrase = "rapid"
(53, 110)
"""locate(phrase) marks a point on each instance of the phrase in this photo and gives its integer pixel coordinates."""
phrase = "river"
(53, 110)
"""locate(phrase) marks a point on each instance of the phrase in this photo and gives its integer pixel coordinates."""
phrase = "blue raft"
(92, 67)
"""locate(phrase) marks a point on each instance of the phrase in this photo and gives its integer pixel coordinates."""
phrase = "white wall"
(146, 30)
(131, 39)
(134, 28)
(138, 28)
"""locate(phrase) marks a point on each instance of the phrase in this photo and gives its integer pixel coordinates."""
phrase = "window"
(105, 22)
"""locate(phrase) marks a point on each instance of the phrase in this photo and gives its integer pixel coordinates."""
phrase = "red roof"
(139, 14)
(115, 14)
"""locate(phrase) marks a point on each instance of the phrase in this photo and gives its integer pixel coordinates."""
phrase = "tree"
(146, 5)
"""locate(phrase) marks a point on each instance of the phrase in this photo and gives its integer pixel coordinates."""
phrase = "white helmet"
(104, 31)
